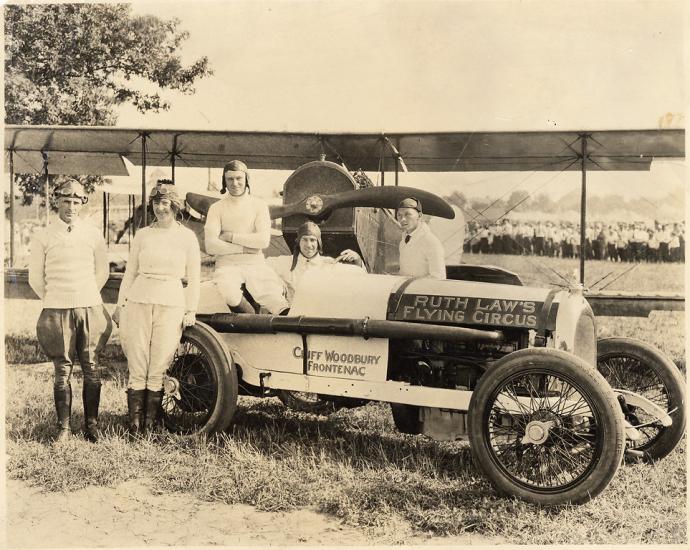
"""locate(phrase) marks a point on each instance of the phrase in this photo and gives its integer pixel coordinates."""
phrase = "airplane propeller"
(319, 206)
(378, 197)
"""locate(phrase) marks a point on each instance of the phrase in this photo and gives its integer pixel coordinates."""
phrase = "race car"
(510, 368)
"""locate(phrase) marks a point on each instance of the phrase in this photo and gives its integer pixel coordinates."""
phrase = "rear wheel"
(406, 418)
(633, 365)
(200, 386)
(545, 427)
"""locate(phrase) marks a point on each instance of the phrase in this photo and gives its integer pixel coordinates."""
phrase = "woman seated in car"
(308, 255)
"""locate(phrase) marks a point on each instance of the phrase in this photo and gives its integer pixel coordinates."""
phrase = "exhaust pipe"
(366, 328)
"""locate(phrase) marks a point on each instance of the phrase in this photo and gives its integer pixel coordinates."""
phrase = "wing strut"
(583, 205)
(398, 157)
(144, 136)
(44, 154)
(11, 207)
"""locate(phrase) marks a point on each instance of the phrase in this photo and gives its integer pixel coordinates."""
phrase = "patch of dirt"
(131, 515)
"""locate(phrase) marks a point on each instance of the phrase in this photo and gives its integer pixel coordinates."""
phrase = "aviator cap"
(165, 189)
(410, 202)
(306, 229)
(234, 166)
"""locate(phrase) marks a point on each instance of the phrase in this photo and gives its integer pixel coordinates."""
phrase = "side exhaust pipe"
(366, 328)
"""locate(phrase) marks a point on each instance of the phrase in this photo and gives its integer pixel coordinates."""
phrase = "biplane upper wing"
(98, 150)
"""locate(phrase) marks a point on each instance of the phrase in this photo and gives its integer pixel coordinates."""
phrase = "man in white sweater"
(421, 252)
(237, 229)
(67, 269)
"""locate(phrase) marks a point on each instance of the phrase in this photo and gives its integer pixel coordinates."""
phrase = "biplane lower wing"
(631, 304)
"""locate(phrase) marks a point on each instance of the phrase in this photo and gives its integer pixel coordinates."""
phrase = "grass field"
(353, 464)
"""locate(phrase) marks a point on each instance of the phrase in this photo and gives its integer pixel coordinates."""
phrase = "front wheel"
(633, 365)
(200, 386)
(545, 427)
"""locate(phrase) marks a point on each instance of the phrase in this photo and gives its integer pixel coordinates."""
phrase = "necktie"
(69, 228)
(407, 239)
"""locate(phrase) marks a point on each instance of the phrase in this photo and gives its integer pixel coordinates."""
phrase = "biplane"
(350, 217)
(517, 371)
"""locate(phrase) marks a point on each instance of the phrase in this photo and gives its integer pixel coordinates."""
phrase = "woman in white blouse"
(153, 307)
(308, 255)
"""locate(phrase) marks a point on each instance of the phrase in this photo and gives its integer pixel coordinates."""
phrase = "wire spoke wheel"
(636, 366)
(190, 389)
(200, 386)
(543, 430)
(545, 427)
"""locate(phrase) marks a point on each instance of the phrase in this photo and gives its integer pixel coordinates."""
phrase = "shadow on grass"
(44, 428)
(25, 349)
(276, 431)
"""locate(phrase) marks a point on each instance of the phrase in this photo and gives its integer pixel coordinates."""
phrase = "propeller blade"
(377, 197)
(200, 203)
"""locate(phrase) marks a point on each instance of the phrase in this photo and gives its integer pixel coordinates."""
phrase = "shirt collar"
(62, 226)
(419, 230)
(316, 259)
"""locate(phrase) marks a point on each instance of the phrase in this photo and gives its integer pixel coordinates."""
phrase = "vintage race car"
(512, 369)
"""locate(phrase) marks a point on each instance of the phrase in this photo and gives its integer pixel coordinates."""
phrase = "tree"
(458, 199)
(518, 201)
(73, 64)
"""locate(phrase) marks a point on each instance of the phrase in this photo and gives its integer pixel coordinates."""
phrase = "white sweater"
(423, 255)
(158, 260)
(67, 269)
(248, 220)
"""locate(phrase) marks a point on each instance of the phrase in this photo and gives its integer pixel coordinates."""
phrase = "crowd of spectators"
(616, 242)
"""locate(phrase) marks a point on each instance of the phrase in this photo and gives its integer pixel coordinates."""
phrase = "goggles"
(71, 190)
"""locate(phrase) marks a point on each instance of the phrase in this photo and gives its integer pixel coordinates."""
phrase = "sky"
(436, 66)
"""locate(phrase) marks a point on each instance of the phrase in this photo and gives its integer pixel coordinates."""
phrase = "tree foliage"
(73, 64)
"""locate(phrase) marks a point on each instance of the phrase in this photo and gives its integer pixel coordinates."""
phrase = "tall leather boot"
(63, 408)
(136, 403)
(91, 395)
(243, 307)
(153, 410)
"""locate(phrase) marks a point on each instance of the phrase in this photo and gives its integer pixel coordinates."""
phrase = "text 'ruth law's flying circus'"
(480, 311)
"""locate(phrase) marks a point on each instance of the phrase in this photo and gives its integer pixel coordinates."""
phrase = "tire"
(569, 459)
(406, 418)
(306, 402)
(200, 387)
(633, 365)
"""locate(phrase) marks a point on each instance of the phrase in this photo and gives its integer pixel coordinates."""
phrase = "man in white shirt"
(664, 237)
(638, 242)
(421, 252)
(67, 269)
(237, 229)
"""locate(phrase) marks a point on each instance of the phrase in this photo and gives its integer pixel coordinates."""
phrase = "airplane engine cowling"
(324, 178)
